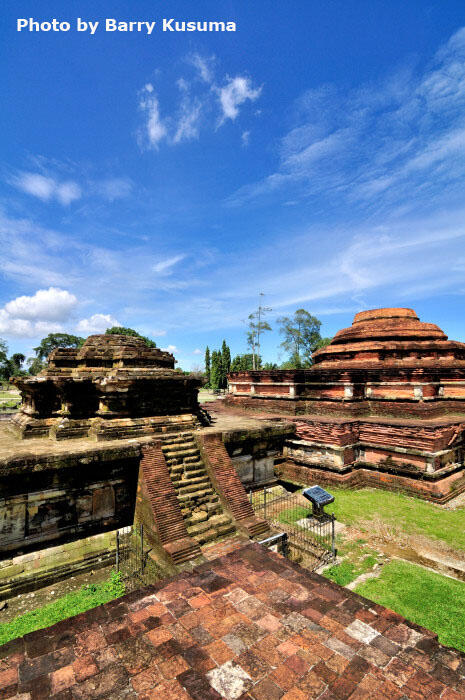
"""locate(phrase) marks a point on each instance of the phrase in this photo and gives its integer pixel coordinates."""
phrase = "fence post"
(117, 550)
(264, 502)
(333, 537)
(251, 497)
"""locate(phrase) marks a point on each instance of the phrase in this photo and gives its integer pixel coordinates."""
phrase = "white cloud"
(51, 304)
(199, 100)
(114, 188)
(47, 188)
(245, 138)
(40, 314)
(97, 323)
(236, 91)
(203, 65)
(158, 333)
(155, 129)
(172, 349)
(164, 266)
(188, 120)
(197, 352)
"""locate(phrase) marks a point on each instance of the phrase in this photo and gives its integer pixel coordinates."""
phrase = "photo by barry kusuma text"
(111, 24)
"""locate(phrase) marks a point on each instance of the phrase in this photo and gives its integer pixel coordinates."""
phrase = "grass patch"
(422, 596)
(87, 597)
(357, 559)
(291, 515)
(412, 515)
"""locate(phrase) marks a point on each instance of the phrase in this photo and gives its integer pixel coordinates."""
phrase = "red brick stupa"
(384, 404)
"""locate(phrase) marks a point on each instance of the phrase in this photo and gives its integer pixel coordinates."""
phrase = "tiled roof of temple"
(389, 336)
(248, 625)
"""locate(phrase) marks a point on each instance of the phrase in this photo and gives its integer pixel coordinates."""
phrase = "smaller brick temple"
(384, 404)
(114, 386)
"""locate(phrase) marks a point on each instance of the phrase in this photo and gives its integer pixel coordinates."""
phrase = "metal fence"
(132, 558)
(310, 541)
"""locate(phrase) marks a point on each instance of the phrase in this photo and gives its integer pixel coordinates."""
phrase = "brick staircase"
(202, 513)
(162, 509)
(227, 482)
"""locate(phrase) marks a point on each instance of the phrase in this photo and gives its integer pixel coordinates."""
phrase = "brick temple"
(114, 386)
(383, 405)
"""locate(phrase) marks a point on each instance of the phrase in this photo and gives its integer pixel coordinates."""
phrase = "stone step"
(185, 452)
(198, 494)
(194, 487)
(178, 447)
(194, 473)
(193, 458)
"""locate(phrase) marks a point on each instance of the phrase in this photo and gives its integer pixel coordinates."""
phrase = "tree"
(245, 362)
(322, 343)
(301, 335)
(215, 372)
(122, 330)
(225, 364)
(4, 362)
(16, 362)
(270, 365)
(207, 365)
(35, 365)
(257, 325)
(57, 340)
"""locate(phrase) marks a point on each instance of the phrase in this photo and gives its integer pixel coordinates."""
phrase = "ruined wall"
(54, 499)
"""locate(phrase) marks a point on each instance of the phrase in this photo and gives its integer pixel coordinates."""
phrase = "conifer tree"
(225, 364)
(215, 371)
(207, 365)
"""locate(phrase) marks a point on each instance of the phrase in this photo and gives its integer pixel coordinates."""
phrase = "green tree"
(5, 368)
(56, 340)
(245, 362)
(215, 371)
(322, 343)
(35, 365)
(16, 363)
(122, 330)
(301, 335)
(270, 365)
(225, 364)
(207, 365)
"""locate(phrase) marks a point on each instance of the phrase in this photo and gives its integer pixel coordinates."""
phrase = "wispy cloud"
(402, 139)
(234, 93)
(164, 266)
(204, 102)
(47, 188)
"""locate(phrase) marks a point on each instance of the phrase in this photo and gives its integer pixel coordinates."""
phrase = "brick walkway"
(246, 625)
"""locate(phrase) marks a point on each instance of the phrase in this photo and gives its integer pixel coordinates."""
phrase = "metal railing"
(132, 558)
(310, 541)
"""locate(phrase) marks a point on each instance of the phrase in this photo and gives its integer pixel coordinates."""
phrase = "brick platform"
(246, 625)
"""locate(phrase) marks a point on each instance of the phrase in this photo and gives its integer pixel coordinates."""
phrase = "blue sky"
(162, 181)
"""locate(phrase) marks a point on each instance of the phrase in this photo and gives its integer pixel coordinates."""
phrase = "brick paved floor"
(245, 625)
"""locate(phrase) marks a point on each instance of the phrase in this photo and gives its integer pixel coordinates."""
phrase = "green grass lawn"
(431, 600)
(71, 604)
(411, 515)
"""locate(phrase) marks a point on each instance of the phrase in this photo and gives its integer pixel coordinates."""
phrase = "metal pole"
(264, 502)
(117, 550)
(333, 537)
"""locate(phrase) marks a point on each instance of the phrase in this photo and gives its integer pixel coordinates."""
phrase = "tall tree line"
(217, 367)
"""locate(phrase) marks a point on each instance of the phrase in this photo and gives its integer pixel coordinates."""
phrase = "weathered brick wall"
(438, 492)
(51, 500)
